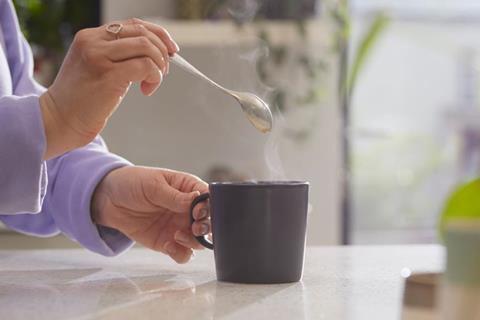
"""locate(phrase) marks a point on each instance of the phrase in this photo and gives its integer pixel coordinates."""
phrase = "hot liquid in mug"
(259, 230)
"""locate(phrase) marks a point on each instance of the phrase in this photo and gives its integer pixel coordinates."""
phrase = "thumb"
(177, 201)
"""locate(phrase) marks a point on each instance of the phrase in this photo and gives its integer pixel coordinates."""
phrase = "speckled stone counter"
(338, 283)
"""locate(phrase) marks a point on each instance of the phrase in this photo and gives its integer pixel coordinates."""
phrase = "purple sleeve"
(23, 178)
(73, 178)
(45, 198)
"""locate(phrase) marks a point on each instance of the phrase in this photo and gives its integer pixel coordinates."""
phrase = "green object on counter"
(464, 204)
(462, 240)
(460, 230)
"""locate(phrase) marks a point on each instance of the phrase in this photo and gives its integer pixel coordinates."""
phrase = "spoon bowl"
(255, 109)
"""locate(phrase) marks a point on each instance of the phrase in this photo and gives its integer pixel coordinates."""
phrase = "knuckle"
(81, 38)
(147, 63)
(134, 21)
(143, 42)
(140, 29)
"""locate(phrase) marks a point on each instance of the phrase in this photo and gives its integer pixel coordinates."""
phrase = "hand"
(95, 76)
(151, 206)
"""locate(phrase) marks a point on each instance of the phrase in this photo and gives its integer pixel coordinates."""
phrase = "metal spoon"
(257, 111)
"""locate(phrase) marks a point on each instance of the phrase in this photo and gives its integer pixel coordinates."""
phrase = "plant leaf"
(367, 43)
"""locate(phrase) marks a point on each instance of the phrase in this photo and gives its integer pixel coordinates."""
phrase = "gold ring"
(114, 29)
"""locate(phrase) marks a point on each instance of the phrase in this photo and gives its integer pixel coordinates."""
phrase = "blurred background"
(375, 102)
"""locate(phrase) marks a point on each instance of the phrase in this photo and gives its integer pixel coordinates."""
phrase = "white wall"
(124, 9)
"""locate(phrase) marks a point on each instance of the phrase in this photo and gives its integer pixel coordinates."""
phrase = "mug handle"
(201, 239)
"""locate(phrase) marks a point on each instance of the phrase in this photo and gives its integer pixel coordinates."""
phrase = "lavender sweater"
(37, 197)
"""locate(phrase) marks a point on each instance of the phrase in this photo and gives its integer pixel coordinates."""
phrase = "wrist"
(99, 204)
(102, 208)
(60, 134)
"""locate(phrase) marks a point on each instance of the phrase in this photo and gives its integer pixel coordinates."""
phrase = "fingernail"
(176, 46)
(204, 229)
(203, 213)
(170, 248)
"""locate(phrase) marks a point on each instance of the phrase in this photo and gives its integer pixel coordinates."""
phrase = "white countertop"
(338, 283)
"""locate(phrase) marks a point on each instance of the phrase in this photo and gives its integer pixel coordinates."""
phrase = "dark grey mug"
(259, 230)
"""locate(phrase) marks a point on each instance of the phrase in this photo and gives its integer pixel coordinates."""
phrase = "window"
(415, 126)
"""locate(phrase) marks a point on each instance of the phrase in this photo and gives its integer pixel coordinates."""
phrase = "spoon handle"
(185, 65)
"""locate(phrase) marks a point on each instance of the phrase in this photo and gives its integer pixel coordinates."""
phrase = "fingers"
(137, 47)
(201, 214)
(140, 69)
(202, 227)
(146, 34)
(187, 240)
(172, 199)
(200, 185)
(161, 32)
(184, 181)
(138, 30)
(201, 210)
(173, 190)
(178, 252)
(148, 88)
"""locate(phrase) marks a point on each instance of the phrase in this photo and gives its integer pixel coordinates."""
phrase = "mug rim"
(261, 183)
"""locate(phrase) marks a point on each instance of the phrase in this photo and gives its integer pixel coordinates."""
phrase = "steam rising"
(244, 11)
(273, 160)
